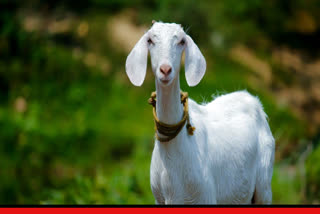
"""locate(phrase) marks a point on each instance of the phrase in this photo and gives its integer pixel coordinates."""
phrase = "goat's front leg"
(159, 202)
(203, 199)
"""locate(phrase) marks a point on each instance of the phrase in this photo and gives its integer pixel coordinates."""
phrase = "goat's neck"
(169, 108)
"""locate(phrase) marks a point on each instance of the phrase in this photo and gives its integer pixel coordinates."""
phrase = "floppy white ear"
(195, 63)
(136, 63)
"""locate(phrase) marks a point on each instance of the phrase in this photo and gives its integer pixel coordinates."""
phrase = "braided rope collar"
(170, 131)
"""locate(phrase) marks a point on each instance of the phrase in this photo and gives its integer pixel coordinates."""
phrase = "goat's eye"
(182, 42)
(150, 41)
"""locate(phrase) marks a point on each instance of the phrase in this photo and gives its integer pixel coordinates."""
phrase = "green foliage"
(122, 183)
(286, 185)
(313, 175)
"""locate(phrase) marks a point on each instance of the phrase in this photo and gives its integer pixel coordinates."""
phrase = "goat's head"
(166, 42)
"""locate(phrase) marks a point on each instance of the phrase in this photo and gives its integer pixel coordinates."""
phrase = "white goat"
(229, 159)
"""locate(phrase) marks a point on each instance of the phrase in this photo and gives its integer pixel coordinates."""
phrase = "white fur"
(229, 159)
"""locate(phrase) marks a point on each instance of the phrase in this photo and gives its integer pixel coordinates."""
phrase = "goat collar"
(171, 131)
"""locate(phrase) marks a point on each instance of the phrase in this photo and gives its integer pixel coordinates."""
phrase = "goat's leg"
(263, 193)
(159, 203)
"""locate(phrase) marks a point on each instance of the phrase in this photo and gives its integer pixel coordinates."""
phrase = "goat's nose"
(165, 69)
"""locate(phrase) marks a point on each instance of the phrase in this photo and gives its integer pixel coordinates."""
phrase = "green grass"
(286, 186)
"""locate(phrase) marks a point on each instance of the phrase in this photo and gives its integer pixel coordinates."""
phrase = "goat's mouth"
(164, 81)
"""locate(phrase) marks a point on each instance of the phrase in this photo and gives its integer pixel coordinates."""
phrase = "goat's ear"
(136, 63)
(195, 63)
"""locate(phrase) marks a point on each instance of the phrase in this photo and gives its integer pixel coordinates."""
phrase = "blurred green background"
(73, 130)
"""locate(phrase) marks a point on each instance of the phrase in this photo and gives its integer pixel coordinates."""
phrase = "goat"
(229, 158)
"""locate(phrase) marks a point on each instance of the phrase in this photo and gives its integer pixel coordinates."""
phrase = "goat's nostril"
(165, 69)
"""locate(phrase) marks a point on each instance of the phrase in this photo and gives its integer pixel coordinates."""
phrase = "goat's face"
(166, 42)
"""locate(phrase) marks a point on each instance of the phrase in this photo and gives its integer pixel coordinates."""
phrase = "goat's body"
(228, 160)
